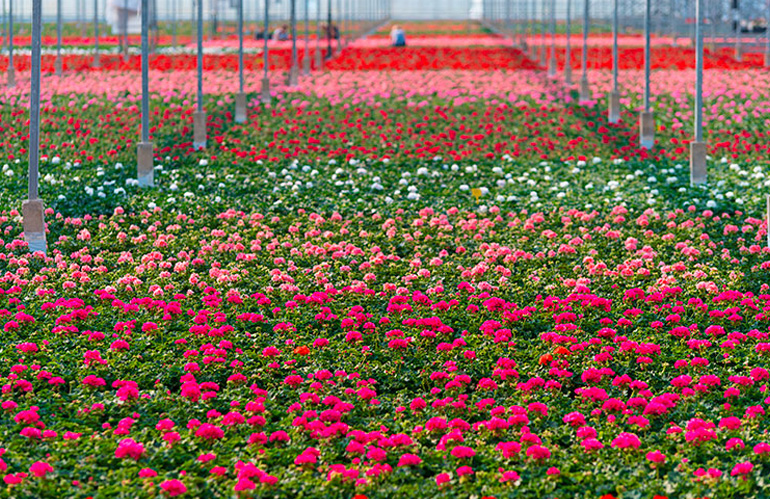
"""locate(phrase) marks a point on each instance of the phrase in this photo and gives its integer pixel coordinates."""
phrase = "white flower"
(203, 162)
(711, 203)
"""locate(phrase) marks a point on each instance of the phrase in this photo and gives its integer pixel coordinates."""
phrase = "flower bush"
(386, 288)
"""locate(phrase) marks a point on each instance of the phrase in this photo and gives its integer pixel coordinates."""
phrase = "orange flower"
(561, 351)
(303, 350)
(545, 359)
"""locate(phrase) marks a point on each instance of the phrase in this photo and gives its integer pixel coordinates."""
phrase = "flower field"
(447, 279)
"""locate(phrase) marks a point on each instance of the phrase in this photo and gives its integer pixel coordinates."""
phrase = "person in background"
(281, 33)
(398, 36)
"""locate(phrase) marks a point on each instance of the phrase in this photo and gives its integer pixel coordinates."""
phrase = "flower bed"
(445, 283)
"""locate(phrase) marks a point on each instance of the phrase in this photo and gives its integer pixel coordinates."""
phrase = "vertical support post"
(767, 41)
(265, 97)
(145, 166)
(552, 57)
(199, 117)
(698, 147)
(318, 55)
(97, 63)
(614, 104)
(11, 82)
(738, 34)
(32, 209)
(58, 64)
(240, 97)
(339, 20)
(329, 31)
(173, 23)
(306, 53)
(647, 119)
(585, 90)
(568, 48)
(293, 77)
(543, 24)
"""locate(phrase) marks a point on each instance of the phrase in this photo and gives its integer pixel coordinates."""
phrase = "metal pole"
(614, 101)
(738, 35)
(240, 97)
(329, 31)
(306, 55)
(568, 49)
(200, 56)
(767, 57)
(11, 70)
(339, 19)
(293, 76)
(144, 151)
(32, 208)
(145, 75)
(698, 147)
(96, 34)
(552, 62)
(58, 67)
(173, 22)
(543, 46)
(646, 119)
(265, 57)
(698, 73)
(585, 91)
(240, 46)
(318, 57)
(199, 117)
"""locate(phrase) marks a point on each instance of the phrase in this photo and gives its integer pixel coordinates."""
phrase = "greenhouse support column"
(339, 20)
(97, 63)
(552, 57)
(58, 64)
(585, 90)
(306, 53)
(11, 70)
(614, 103)
(199, 117)
(568, 48)
(647, 119)
(698, 147)
(173, 23)
(738, 36)
(767, 42)
(144, 168)
(543, 24)
(265, 97)
(318, 55)
(329, 30)
(293, 77)
(525, 24)
(32, 209)
(240, 97)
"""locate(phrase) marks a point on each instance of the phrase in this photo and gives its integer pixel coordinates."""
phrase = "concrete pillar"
(614, 107)
(292, 79)
(585, 90)
(145, 167)
(199, 130)
(647, 130)
(265, 95)
(697, 163)
(34, 224)
(240, 107)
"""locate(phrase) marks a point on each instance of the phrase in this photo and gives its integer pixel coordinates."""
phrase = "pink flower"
(40, 469)
(409, 460)
(442, 478)
(626, 441)
(209, 431)
(742, 469)
(462, 452)
(173, 487)
(129, 448)
(147, 473)
(538, 452)
(656, 457)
